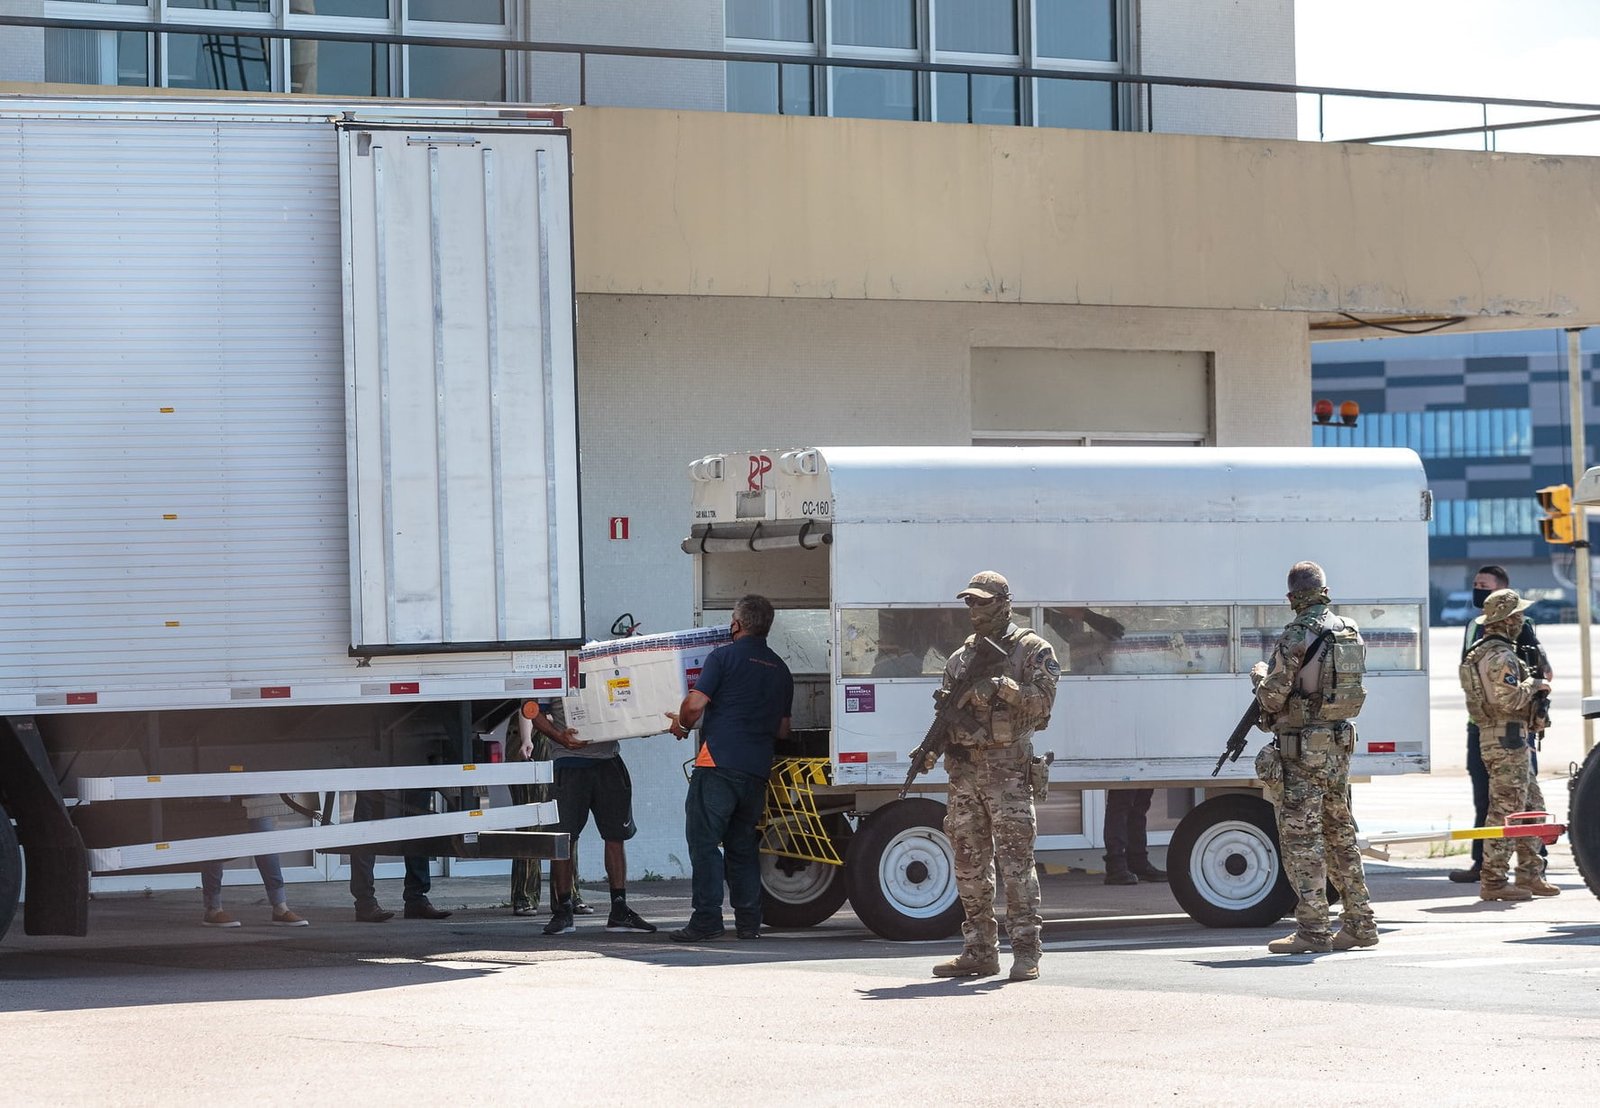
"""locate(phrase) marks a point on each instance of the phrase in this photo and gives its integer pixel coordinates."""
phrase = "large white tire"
(797, 893)
(900, 871)
(1224, 865)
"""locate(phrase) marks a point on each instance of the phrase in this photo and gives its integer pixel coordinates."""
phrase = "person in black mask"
(1487, 580)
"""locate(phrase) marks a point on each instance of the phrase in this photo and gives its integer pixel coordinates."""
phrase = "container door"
(460, 389)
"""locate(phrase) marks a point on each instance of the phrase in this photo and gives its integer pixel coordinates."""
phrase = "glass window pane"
(1393, 634)
(457, 73)
(758, 87)
(1077, 29)
(874, 94)
(223, 6)
(899, 642)
(1062, 813)
(980, 99)
(459, 11)
(800, 636)
(365, 9)
(975, 26)
(339, 68)
(890, 23)
(1085, 105)
(96, 57)
(779, 20)
(1155, 638)
(236, 62)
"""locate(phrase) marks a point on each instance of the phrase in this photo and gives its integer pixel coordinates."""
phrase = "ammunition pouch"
(1269, 769)
(1514, 738)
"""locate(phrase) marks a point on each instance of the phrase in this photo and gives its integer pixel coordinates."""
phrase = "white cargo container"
(1157, 573)
(288, 423)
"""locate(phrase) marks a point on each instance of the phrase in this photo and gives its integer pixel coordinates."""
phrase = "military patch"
(1051, 666)
(1511, 678)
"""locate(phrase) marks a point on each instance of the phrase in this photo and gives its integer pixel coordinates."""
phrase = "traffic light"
(1556, 526)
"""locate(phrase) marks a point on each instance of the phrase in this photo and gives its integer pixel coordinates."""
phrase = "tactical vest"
(1005, 724)
(1480, 709)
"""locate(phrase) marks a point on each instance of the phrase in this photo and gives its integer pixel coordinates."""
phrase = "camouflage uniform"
(1503, 719)
(1316, 831)
(990, 815)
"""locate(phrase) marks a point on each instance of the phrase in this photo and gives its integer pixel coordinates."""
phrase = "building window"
(1460, 433)
(1516, 517)
(1073, 36)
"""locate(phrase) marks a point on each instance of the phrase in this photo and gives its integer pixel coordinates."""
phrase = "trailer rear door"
(460, 389)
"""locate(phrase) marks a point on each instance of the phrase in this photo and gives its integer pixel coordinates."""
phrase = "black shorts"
(601, 786)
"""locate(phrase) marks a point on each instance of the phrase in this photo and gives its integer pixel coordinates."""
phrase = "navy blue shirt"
(751, 692)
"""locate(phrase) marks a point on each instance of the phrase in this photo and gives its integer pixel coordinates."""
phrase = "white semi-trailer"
(289, 457)
(1158, 574)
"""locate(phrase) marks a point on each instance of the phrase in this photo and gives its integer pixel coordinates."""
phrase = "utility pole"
(1580, 526)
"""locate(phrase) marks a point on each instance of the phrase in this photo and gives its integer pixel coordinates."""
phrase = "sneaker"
(970, 963)
(219, 918)
(524, 908)
(1298, 944)
(560, 921)
(1504, 892)
(287, 917)
(580, 906)
(628, 920)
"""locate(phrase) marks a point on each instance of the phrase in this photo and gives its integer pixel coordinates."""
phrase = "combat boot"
(1297, 944)
(1117, 871)
(1504, 892)
(1349, 940)
(970, 963)
(1025, 965)
(1537, 885)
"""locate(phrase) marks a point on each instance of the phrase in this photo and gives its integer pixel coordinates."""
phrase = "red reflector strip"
(404, 688)
(274, 692)
(1380, 748)
(855, 756)
(572, 671)
(547, 682)
(83, 698)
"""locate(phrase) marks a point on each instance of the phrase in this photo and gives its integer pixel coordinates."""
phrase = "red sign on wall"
(619, 528)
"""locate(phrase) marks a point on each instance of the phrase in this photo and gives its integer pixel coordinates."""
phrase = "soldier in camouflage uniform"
(1316, 832)
(990, 815)
(1501, 693)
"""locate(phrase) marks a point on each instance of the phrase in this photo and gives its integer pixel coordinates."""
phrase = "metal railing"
(1141, 86)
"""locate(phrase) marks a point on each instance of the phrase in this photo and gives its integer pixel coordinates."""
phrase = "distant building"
(1490, 415)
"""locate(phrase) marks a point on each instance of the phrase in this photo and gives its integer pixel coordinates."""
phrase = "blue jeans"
(270, 868)
(720, 817)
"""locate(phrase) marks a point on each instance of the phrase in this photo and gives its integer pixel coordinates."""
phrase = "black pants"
(1125, 817)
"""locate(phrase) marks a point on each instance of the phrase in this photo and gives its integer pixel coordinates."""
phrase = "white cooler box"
(625, 686)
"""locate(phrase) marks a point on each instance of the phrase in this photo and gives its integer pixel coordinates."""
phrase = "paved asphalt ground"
(1461, 1003)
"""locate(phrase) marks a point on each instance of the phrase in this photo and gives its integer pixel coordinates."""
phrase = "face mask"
(1479, 596)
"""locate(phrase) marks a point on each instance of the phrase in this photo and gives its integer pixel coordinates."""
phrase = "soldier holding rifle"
(998, 690)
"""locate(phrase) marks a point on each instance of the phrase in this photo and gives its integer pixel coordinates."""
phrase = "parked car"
(1457, 610)
(1552, 611)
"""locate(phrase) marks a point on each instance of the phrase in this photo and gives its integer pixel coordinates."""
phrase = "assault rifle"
(1240, 737)
(984, 662)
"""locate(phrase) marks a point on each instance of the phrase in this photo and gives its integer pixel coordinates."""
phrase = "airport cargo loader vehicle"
(1158, 576)
(290, 508)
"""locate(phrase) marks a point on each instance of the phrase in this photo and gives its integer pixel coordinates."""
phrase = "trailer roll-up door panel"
(460, 389)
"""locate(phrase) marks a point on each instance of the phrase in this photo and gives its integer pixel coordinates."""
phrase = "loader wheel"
(1224, 866)
(800, 893)
(10, 872)
(1583, 820)
(900, 871)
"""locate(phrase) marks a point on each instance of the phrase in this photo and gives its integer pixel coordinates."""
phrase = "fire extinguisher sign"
(619, 528)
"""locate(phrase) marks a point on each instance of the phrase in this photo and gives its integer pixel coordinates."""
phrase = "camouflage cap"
(988, 585)
(1503, 604)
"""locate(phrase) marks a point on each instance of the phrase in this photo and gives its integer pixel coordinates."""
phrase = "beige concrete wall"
(685, 203)
(666, 379)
